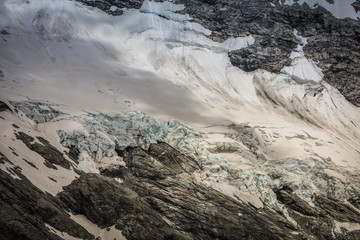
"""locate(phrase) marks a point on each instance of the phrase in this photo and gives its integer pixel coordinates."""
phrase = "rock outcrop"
(25, 210)
(45, 149)
(320, 220)
(333, 44)
(160, 198)
(113, 7)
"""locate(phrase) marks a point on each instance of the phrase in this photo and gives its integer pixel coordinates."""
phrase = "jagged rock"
(332, 43)
(337, 210)
(106, 5)
(349, 235)
(4, 159)
(25, 209)
(4, 107)
(46, 150)
(159, 161)
(252, 58)
(290, 199)
(105, 202)
(318, 220)
(355, 201)
(73, 153)
(356, 5)
(190, 208)
(173, 159)
(4, 32)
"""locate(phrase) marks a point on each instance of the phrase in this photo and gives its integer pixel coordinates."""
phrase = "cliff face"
(332, 43)
(179, 119)
(140, 178)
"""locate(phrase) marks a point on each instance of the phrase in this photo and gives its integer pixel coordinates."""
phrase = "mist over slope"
(179, 119)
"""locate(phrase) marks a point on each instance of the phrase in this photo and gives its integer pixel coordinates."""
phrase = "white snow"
(349, 226)
(167, 68)
(113, 8)
(302, 70)
(340, 8)
(239, 42)
(40, 177)
(63, 235)
(92, 228)
(165, 9)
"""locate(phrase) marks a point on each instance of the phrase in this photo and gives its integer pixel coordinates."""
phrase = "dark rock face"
(4, 32)
(274, 38)
(161, 199)
(291, 200)
(46, 150)
(318, 221)
(253, 58)
(105, 5)
(356, 5)
(4, 107)
(334, 44)
(105, 202)
(25, 209)
(355, 202)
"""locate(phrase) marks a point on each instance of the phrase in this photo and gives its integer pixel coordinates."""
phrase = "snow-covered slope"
(81, 78)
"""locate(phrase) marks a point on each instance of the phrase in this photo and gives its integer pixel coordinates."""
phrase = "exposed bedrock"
(333, 44)
(45, 149)
(160, 198)
(113, 7)
(25, 210)
(323, 221)
(159, 194)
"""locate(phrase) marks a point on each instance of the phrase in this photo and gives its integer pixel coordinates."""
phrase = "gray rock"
(25, 210)
(332, 43)
(318, 221)
(105, 5)
(155, 185)
(4, 32)
(106, 202)
(356, 5)
(4, 107)
(46, 150)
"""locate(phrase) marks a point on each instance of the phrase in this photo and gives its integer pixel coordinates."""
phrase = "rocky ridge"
(333, 44)
(25, 210)
(154, 179)
(165, 178)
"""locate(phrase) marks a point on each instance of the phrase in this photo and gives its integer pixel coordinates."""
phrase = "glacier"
(108, 86)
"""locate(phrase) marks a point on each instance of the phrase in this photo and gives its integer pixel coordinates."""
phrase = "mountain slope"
(247, 132)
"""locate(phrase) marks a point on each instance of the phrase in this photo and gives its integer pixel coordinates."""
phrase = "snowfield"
(155, 60)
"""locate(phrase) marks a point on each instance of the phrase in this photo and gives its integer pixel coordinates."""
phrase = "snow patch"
(239, 42)
(340, 8)
(165, 9)
(105, 233)
(302, 70)
(113, 8)
(61, 234)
